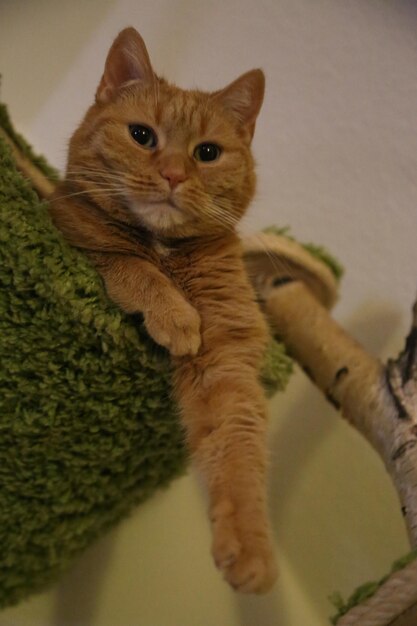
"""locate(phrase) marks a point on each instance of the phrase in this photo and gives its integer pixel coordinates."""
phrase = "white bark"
(380, 402)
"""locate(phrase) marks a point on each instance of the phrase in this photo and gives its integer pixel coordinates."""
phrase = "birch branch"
(380, 401)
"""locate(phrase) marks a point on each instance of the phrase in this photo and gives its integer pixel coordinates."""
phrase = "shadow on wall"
(43, 57)
(78, 595)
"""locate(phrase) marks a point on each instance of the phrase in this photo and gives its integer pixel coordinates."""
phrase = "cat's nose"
(172, 167)
(174, 174)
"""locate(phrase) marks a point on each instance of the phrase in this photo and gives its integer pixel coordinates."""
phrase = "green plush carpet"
(87, 427)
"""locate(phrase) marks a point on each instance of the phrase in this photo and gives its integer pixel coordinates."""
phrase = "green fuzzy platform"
(87, 427)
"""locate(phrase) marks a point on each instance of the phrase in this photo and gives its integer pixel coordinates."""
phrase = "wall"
(336, 147)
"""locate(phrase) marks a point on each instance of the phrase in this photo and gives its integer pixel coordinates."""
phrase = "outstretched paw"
(244, 556)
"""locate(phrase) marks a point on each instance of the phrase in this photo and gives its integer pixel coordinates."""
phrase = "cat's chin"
(158, 216)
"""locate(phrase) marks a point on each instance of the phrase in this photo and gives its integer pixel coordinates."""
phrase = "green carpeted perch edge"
(367, 590)
(321, 253)
(87, 426)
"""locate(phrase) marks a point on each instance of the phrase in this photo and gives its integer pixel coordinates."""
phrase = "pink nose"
(173, 174)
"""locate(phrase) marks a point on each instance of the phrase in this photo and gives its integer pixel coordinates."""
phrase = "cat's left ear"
(127, 60)
(244, 97)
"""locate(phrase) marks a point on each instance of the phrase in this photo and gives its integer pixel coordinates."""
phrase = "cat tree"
(296, 290)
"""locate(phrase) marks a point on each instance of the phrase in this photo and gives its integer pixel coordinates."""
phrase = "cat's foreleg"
(136, 285)
(224, 414)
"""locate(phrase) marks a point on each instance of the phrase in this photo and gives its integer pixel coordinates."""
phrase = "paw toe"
(252, 575)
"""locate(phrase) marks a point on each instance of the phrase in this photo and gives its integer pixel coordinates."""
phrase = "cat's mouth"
(159, 215)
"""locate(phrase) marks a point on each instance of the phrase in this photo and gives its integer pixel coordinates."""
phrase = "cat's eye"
(143, 135)
(207, 152)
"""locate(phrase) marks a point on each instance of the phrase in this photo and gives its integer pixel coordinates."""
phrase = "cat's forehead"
(179, 113)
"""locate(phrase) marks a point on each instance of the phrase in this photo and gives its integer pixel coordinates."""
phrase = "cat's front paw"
(250, 573)
(176, 327)
(244, 556)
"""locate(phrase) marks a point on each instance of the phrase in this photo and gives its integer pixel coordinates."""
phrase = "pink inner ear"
(127, 60)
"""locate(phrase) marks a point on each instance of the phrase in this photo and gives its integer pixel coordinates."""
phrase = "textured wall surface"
(336, 147)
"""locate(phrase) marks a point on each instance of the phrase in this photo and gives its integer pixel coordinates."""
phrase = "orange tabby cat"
(157, 179)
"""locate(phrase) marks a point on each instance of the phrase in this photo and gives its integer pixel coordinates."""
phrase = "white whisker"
(91, 191)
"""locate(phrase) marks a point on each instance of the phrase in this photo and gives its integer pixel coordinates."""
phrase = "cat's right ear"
(243, 98)
(126, 61)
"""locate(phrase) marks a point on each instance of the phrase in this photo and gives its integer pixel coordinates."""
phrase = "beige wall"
(336, 146)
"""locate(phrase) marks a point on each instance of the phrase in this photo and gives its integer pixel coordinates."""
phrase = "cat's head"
(178, 162)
